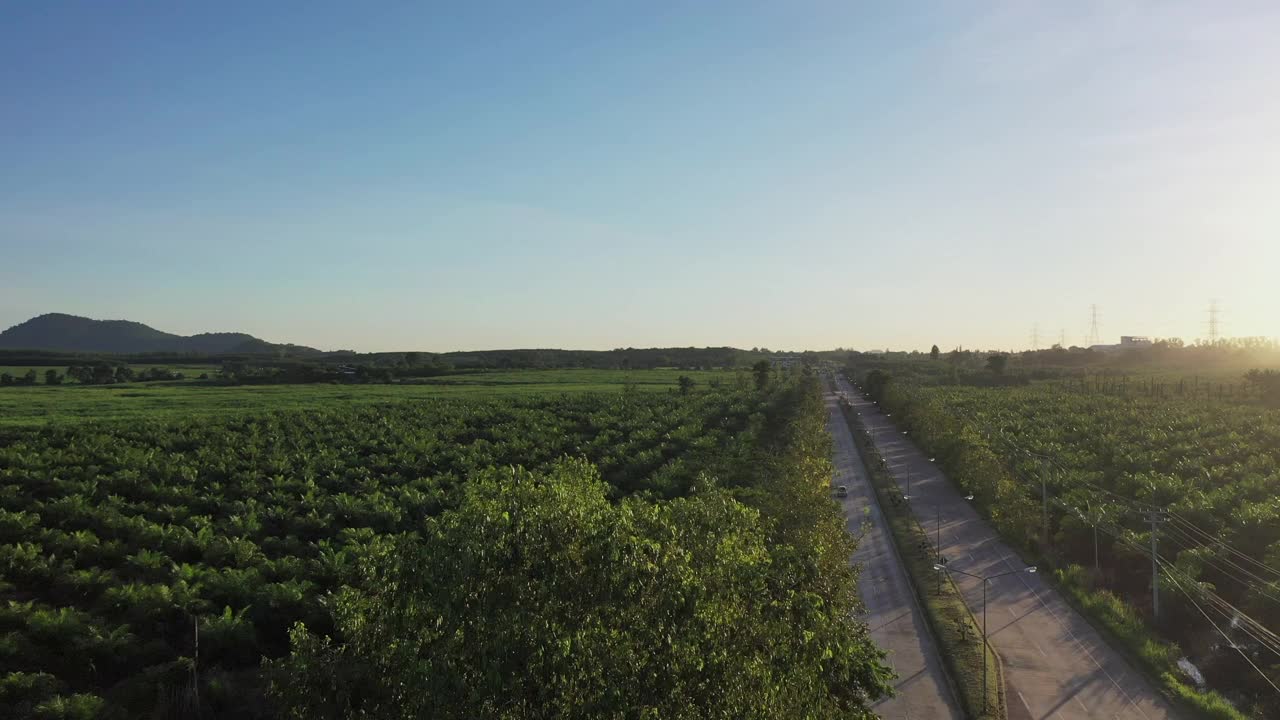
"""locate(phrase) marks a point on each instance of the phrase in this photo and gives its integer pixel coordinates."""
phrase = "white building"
(1127, 342)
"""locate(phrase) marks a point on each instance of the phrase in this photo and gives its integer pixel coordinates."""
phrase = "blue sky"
(428, 176)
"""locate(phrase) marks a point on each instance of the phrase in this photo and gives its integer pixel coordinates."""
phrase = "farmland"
(136, 401)
(1097, 461)
(155, 557)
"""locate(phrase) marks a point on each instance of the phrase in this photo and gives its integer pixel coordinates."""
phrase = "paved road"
(1056, 665)
(895, 620)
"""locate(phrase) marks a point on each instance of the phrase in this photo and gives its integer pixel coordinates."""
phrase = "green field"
(72, 403)
(191, 371)
(184, 557)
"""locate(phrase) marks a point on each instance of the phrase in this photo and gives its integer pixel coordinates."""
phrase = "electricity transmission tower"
(1035, 336)
(1094, 338)
(1215, 323)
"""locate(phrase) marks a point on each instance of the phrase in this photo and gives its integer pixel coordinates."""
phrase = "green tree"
(876, 382)
(102, 374)
(1267, 384)
(537, 597)
(686, 384)
(997, 364)
(29, 377)
(52, 377)
(761, 370)
(934, 352)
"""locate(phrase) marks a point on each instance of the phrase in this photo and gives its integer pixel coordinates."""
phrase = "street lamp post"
(937, 544)
(943, 568)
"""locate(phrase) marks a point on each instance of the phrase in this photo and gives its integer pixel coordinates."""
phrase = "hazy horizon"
(747, 175)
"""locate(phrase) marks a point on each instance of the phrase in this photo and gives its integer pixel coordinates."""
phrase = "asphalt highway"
(892, 614)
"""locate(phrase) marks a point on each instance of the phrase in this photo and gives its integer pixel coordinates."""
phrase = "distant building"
(1127, 342)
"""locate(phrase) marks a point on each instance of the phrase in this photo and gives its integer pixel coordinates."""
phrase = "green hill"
(70, 333)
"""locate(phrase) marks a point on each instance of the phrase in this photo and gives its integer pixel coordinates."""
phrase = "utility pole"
(1155, 517)
(937, 516)
(1215, 324)
(1093, 520)
(1044, 500)
(940, 568)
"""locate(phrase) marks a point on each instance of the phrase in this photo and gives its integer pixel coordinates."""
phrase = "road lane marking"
(1078, 643)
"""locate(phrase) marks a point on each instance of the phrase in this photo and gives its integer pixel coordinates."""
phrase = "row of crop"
(537, 597)
(132, 541)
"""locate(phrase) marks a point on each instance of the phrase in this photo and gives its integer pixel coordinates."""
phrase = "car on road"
(842, 491)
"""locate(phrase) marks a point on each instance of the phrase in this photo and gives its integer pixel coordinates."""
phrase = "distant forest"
(619, 359)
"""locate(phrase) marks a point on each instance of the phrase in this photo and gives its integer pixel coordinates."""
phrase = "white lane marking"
(1025, 704)
(1078, 643)
(1033, 642)
(1082, 705)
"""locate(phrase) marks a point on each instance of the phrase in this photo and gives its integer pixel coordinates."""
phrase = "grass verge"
(1125, 630)
(956, 631)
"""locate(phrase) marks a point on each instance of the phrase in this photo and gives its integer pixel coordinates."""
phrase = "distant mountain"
(69, 333)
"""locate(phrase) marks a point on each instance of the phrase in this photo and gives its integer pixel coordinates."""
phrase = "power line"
(1216, 541)
(1190, 544)
(1251, 627)
(1237, 648)
(1262, 584)
(1264, 637)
